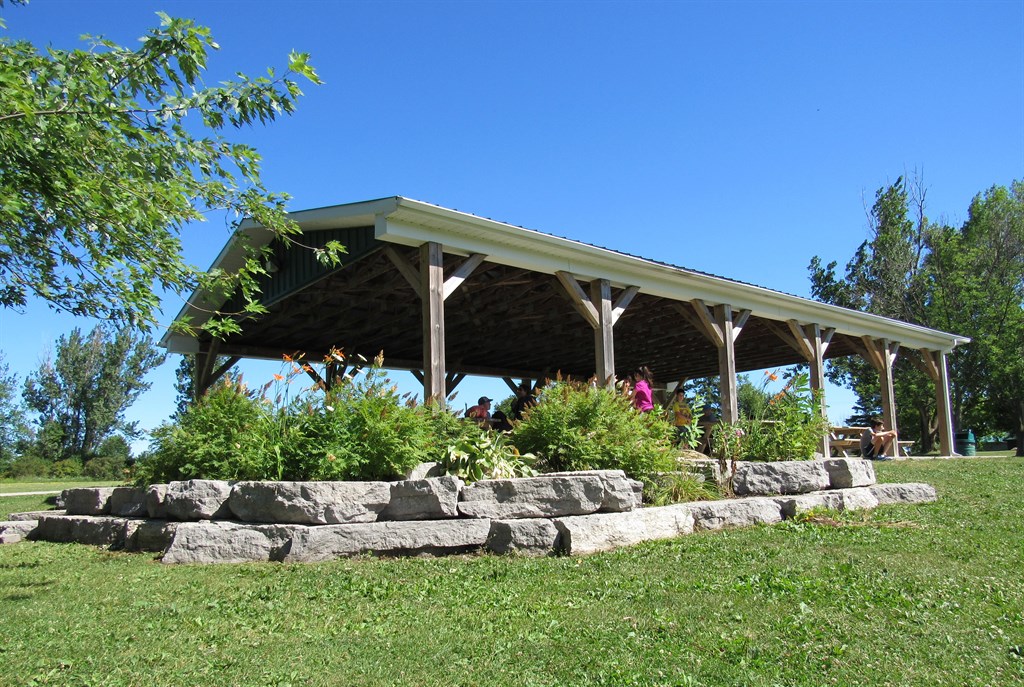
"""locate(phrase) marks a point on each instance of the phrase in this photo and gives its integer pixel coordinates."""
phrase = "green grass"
(9, 486)
(921, 595)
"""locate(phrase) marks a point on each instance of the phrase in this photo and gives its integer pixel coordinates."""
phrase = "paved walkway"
(28, 493)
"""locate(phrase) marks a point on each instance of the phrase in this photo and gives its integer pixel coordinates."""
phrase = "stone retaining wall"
(208, 521)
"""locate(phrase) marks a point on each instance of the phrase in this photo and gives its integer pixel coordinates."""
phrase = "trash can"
(964, 443)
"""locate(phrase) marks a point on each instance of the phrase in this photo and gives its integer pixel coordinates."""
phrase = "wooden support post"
(727, 364)
(881, 353)
(432, 291)
(220, 371)
(810, 342)
(933, 363)
(722, 328)
(604, 342)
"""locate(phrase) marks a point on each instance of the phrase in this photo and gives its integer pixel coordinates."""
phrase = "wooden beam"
(418, 374)
(784, 336)
(204, 362)
(315, 376)
(579, 298)
(432, 296)
(451, 381)
(686, 311)
(462, 273)
(220, 371)
(738, 322)
(406, 269)
(943, 404)
(623, 301)
(712, 328)
(804, 346)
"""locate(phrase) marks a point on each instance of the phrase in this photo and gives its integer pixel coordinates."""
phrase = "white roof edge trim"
(411, 222)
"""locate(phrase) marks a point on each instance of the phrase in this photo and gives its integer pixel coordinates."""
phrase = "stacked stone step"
(208, 521)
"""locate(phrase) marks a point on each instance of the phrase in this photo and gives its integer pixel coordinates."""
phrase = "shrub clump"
(575, 426)
(359, 430)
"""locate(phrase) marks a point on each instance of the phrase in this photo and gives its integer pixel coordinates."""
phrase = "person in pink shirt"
(642, 381)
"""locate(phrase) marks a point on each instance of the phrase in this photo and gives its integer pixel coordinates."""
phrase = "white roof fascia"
(410, 222)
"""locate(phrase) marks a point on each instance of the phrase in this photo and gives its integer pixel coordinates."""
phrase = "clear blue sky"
(737, 138)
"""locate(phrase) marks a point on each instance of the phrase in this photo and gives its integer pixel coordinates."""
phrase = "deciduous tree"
(109, 152)
(81, 394)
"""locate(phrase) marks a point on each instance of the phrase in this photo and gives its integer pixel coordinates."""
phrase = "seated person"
(481, 412)
(525, 398)
(500, 423)
(875, 442)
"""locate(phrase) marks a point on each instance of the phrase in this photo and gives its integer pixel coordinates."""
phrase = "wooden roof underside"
(502, 321)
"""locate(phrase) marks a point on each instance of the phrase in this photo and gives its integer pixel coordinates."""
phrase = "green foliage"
(577, 427)
(212, 439)
(106, 467)
(487, 455)
(786, 426)
(28, 466)
(967, 280)
(14, 429)
(67, 467)
(81, 395)
(110, 152)
(359, 430)
(678, 487)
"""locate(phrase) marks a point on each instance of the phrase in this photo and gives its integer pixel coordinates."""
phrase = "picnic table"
(845, 440)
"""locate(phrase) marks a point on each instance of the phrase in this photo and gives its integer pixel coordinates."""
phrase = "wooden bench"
(904, 447)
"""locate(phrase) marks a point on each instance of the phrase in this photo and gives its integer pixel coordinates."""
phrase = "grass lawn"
(13, 486)
(919, 595)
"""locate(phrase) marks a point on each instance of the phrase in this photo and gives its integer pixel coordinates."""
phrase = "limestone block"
(533, 497)
(844, 473)
(97, 530)
(715, 515)
(528, 536)
(148, 535)
(912, 492)
(621, 492)
(87, 500)
(395, 538)
(424, 499)
(782, 477)
(34, 514)
(156, 500)
(309, 503)
(13, 531)
(198, 499)
(128, 501)
(856, 498)
(228, 542)
(586, 534)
